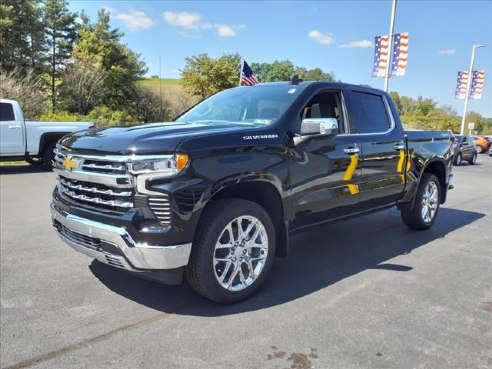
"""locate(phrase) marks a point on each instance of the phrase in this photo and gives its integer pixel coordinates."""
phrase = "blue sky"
(336, 36)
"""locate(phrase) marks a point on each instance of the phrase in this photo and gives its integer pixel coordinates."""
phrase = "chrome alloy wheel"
(430, 201)
(240, 253)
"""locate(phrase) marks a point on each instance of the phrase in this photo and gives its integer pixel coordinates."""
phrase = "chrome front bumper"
(85, 235)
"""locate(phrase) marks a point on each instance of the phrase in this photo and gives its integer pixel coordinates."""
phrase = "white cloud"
(225, 31)
(182, 19)
(186, 34)
(359, 44)
(446, 52)
(187, 21)
(135, 19)
(320, 37)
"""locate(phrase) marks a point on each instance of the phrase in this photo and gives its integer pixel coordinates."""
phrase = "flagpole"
(468, 85)
(241, 71)
(390, 56)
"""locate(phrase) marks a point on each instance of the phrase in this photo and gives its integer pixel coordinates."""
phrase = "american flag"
(461, 85)
(400, 54)
(248, 77)
(381, 56)
(477, 84)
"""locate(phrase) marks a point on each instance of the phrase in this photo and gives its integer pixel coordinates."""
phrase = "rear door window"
(6, 112)
(367, 113)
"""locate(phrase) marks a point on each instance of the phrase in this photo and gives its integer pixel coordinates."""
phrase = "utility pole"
(160, 80)
(468, 86)
(390, 56)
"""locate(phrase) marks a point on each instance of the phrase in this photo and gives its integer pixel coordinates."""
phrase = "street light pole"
(390, 39)
(467, 96)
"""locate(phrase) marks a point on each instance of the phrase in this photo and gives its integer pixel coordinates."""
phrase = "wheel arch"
(47, 139)
(266, 195)
(438, 168)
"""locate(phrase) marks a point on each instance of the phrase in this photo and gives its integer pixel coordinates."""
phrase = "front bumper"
(114, 246)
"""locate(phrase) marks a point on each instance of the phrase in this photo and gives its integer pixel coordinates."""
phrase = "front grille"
(96, 195)
(78, 238)
(161, 207)
(104, 167)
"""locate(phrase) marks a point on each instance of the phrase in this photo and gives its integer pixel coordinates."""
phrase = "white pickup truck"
(31, 141)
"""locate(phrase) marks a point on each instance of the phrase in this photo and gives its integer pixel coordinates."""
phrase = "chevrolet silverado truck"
(215, 194)
(31, 141)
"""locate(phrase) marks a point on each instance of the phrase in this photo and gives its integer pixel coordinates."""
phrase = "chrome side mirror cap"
(319, 126)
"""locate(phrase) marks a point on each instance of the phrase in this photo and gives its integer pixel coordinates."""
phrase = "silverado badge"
(70, 164)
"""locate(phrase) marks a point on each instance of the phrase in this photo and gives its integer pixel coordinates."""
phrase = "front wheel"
(473, 159)
(479, 149)
(458, 159)
(232, 252)
(426, 205)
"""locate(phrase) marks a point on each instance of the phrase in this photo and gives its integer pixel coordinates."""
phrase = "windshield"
(255, 105)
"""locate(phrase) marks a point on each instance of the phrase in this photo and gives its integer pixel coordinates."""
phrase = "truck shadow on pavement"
(318, 259)
(23, 169)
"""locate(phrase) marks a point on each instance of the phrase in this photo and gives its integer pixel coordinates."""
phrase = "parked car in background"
(481, 143)
(33, 142)
(464, 149)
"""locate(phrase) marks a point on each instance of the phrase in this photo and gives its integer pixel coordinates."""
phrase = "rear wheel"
(473, 159)
(426, 205)
(458, 159)
(34, 161)
(232, 252)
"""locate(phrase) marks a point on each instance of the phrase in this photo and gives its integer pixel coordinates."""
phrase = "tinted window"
(367, 113)
(6, 112)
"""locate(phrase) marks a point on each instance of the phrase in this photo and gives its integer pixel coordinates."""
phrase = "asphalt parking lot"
(367, 293)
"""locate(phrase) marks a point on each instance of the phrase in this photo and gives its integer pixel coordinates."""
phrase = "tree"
(22, 43)
(26, 88)
(83, 87)
(60, 30)
(100, 45)
(146, 106)
(204, 76)
(285, 70)
(274, 72)
(316, 74)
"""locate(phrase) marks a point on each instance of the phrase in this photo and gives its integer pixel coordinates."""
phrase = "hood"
(155, 138)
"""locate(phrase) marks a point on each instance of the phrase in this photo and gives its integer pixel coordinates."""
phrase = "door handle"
(399, 146)
(15, 126)
(351, 150)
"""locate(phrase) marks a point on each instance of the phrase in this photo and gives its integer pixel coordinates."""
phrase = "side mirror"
(317, 126)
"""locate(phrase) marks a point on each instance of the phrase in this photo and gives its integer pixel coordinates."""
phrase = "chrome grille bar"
(96, 200)
(94, 190)
(161, 207)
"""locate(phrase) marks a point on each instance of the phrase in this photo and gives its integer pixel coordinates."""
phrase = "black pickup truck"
(215, 194)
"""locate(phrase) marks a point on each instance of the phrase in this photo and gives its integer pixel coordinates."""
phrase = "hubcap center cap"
(238, 252)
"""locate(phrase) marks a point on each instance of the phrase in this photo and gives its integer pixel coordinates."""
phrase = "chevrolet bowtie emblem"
(69, 164)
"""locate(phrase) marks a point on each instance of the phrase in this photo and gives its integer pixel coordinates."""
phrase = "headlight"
(165, 165)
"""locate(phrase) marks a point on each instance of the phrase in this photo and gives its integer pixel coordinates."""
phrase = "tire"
(48, 155)
(458, 159)
(479, 149)
(227, 275)
(428, 198)
(34, 161)
(473, 159)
